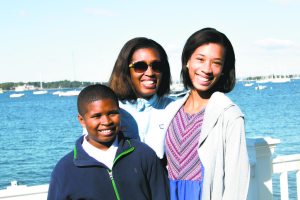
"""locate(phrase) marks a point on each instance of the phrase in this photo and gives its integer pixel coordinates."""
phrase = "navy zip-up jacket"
(137, 174)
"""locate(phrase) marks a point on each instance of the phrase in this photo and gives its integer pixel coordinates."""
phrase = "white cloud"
(271, 43)
(99, 12)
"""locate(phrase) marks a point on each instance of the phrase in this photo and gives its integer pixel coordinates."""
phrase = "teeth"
(105, 131)
(203, 79)
(149, 82)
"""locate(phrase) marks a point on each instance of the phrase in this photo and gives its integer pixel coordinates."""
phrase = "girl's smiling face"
(205, 66)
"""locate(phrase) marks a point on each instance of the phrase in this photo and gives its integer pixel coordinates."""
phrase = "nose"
(105, 120)
(207, 67)
(149, 71)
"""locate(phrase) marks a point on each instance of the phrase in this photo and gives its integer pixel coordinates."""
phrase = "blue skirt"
(185, 189)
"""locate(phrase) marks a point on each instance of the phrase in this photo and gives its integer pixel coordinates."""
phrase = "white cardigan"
(222, 148)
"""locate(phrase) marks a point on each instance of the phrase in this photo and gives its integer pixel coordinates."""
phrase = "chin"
(148, 93)
(146, 96)
(107, 138)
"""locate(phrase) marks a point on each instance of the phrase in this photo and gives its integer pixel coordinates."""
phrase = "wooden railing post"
(260, 152)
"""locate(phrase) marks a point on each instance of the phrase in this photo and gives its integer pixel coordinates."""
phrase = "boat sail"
(40, 90)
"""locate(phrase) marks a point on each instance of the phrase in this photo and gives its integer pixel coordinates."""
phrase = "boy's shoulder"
(139, 146)
(66, 160)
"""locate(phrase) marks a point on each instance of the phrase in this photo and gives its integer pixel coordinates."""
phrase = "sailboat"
(260, 87)
(248, 84)
(40, 90)
(74, 92)
(16, 95)
(69, 93)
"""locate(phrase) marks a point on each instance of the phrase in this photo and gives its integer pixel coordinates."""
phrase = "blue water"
(273, 112)
(37, 130)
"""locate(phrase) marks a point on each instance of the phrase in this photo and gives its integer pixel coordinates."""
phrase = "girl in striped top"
(205, 136)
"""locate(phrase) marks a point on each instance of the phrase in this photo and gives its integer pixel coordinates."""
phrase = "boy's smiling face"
(101, 120)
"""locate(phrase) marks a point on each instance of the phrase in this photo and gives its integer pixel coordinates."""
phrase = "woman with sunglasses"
(205, 137)
(141, 78)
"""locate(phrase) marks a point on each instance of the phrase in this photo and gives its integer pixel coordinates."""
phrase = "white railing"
(260, 152)
(263, 166)
(23, 192)
(282, 165)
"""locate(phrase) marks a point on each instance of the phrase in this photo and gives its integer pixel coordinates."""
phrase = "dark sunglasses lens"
(140, 66)
(157, 66)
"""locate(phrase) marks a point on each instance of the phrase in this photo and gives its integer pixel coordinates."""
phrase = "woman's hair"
(204, 36)
(120, 80)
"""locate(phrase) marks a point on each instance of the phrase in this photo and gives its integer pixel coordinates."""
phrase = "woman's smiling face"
(205, 66)
(145, 83)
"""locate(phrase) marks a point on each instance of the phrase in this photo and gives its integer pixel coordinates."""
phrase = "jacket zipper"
(114, 184)
(110, 171)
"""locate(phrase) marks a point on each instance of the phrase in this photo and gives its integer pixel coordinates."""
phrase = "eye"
(96, 116)
(113, 113)
(157, 66)
(218, 63)
(201, 60)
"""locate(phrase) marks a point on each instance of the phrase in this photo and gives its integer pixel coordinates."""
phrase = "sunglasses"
(142, 66)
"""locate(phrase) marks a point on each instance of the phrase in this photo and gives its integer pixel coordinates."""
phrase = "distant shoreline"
(67, 84)
(271, 76)
(27, 86)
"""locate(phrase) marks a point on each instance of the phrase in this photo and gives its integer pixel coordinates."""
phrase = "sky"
(80, 40)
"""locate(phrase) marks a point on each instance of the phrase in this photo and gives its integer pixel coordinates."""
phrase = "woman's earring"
(187, 65)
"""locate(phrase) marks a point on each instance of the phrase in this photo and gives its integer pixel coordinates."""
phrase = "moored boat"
(40, 92)
(69, 93)
(260, 87)
(16, 95)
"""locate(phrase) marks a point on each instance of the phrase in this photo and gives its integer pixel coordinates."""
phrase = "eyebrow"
(117, 111)
(114, 111)
(199, 54)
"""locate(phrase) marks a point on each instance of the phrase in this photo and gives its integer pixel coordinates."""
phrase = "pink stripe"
(181, 146)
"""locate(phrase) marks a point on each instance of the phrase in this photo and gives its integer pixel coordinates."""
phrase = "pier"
(263, 166)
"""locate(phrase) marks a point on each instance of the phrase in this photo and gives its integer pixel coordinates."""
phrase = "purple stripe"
(181, 146)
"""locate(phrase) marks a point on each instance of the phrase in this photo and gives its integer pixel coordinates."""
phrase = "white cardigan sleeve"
(237, 168)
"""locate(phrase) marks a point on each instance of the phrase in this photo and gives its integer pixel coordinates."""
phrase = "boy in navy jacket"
(104, 164)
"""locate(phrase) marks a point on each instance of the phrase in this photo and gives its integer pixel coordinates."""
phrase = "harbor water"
(37, 130)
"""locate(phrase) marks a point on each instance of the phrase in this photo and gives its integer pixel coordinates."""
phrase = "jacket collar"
(217, 105)
(81, 158)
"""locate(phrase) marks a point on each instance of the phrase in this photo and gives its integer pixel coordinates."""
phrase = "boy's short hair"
(93, 93)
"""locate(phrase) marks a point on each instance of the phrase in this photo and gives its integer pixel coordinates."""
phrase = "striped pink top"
(181, 146)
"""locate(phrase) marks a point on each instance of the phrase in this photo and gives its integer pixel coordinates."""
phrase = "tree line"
(272, 76)
(48, 85)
